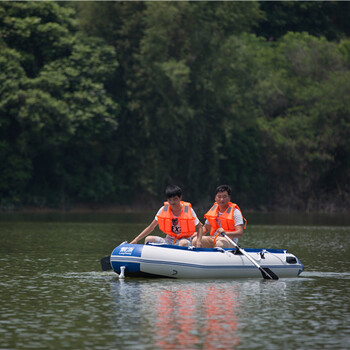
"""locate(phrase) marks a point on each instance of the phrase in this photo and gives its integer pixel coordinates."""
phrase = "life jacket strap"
(216, 236)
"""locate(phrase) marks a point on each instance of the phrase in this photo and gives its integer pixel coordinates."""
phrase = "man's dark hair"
(223, 188)
(173, 191)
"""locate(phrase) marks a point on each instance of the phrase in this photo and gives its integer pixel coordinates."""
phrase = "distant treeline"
(108, 102)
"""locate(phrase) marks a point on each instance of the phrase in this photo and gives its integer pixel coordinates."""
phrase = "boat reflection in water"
(183, 314)
(187, 318)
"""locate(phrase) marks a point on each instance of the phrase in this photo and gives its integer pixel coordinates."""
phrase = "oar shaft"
(241, 250)
(267, 273)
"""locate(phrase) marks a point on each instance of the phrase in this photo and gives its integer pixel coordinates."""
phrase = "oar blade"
(106, 263)
(268, 274)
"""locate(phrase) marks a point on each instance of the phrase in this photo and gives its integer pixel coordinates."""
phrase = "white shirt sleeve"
(159, 211)
(196, 221)
(238, 217)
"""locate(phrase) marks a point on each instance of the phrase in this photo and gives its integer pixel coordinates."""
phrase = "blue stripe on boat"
(162, 262)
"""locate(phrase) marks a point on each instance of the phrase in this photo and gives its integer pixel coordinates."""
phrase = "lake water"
(55, 296)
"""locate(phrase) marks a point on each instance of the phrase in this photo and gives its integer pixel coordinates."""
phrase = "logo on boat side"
(126, 250)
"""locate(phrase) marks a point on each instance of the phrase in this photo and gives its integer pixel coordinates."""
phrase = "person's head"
(223, 195)
(174, 195)
(223, 188)
(173, 191)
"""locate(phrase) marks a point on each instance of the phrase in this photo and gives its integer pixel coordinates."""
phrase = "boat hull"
(153, 260)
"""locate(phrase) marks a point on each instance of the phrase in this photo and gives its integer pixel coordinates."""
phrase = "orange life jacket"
(186, 220)
(226, 219)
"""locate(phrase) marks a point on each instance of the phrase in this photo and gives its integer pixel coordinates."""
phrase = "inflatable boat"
(161, 260)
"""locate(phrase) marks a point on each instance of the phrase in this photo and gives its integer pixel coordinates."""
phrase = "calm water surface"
(54, 296)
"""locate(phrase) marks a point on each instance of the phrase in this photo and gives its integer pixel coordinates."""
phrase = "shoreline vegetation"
(116, 213)
(82, 208)
(108, 102)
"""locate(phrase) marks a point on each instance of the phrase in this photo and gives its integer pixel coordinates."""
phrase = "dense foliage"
(107, 102)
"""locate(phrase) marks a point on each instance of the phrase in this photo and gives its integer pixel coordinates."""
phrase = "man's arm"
(237, 233)
(146, 231)
(199, 229)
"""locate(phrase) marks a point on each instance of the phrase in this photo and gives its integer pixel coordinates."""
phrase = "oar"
(106, 263)
(266, 273)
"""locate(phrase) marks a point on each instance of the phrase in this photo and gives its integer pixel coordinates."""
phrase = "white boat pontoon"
(161, 260)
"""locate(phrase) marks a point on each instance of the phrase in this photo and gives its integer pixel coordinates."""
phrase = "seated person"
(223, 216)
(176, 219)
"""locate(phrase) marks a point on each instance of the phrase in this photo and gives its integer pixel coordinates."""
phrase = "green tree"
(330, 19)
(306, 137)
(110, 101)
(56, 115)
(175, 91)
